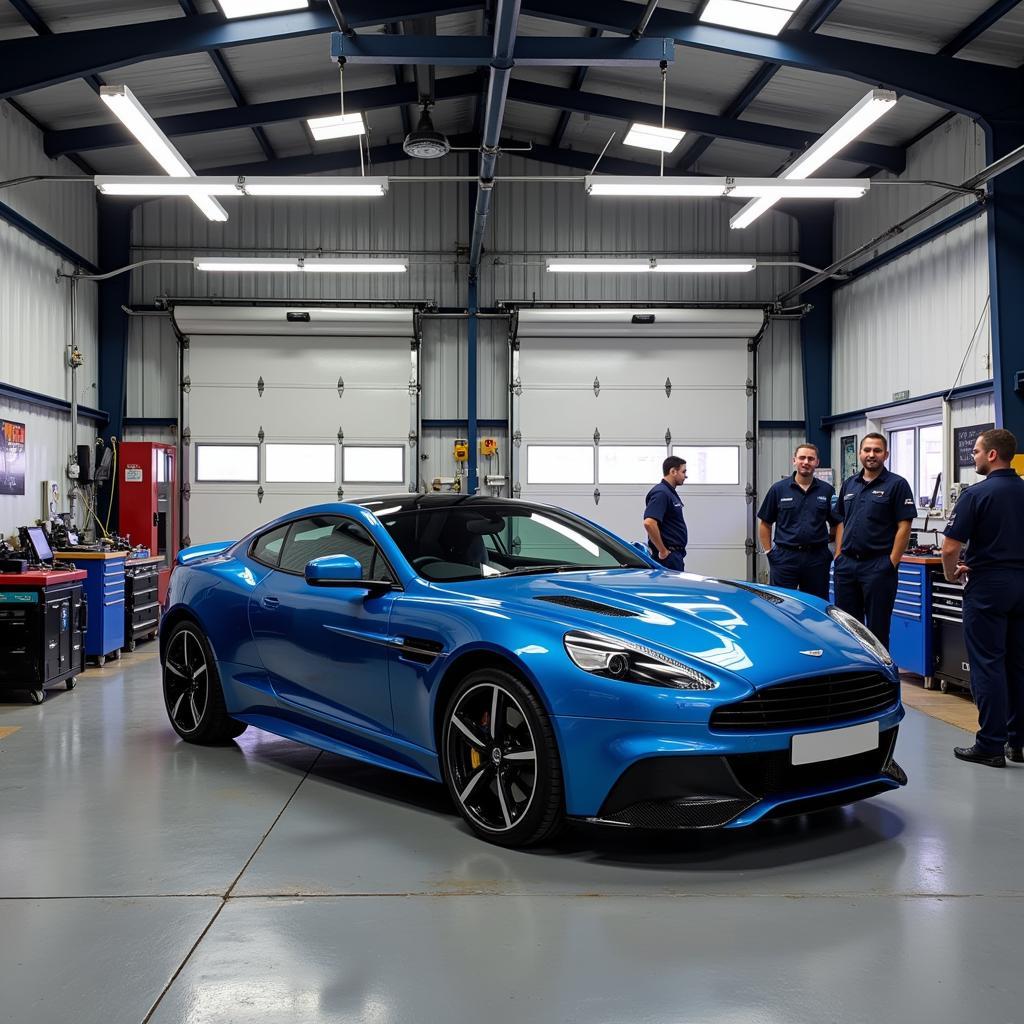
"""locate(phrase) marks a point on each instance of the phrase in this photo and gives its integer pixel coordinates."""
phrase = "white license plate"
(809, 747)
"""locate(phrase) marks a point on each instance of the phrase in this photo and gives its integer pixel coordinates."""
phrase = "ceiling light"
(853, 123)
(821, 188)
(648, 136)
(315, 185)
(132, 114)
(338, 126)
(750, 213)
(274, 264)
(425, 142)
(653, 185)
(154, 185)
(248, 8)
(766, 16)
(650, 266)
(704, 266)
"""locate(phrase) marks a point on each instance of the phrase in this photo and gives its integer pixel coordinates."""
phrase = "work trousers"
(867, 590)
(994, 634)
(801, 570)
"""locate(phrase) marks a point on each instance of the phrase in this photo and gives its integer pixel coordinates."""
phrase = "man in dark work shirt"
(663, 516)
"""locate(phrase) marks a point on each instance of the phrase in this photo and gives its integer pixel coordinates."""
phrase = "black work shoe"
(1015, 754)
(977, 756)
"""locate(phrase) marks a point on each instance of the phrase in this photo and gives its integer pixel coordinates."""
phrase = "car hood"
(759, 634)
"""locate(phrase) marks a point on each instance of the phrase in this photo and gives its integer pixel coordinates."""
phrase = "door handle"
(270, 603)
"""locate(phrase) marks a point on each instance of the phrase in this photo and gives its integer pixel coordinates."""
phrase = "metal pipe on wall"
(73, 361)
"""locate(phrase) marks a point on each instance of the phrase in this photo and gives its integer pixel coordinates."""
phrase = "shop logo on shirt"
(878, 494)
(909, 501)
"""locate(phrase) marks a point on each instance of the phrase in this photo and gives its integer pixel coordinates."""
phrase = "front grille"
(772, 772)
(584, 605)
(806, 703)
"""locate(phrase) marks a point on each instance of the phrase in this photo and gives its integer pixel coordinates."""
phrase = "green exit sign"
(899, 396)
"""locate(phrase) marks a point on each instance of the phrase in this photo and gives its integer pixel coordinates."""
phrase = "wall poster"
(848, 455)
(12, 457)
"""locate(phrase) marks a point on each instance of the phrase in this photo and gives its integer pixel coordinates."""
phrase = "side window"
(267, 548)
(331, 535)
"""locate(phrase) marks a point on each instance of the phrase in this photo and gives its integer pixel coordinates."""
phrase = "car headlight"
(860, 633)
(632, 663)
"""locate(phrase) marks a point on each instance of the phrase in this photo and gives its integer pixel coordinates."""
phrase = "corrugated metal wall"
(35, 308)
(908, 325)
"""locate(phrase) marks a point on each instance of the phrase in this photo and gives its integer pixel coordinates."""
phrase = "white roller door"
(601, 396)
(286, 407)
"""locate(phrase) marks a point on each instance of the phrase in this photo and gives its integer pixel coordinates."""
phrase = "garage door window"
(559, 464)
(300, 463)
(227, 463)
(629, 463)
(374, 464)
(711, 464)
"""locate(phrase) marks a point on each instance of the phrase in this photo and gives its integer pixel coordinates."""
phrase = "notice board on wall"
(963, 444)
(12, 457)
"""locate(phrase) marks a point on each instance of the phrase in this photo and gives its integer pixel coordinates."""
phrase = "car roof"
(407, 502)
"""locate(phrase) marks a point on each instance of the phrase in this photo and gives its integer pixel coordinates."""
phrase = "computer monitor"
(40, 546)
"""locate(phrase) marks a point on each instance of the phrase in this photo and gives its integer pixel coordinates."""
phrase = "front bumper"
(643, 775)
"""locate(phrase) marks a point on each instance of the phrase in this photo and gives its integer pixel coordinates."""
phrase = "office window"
(915, 453)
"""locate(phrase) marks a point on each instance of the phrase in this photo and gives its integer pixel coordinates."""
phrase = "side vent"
(583, 605)
(423, 652)
(756, 591)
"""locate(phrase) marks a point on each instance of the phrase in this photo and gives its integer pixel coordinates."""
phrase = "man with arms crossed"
(875, 511)
(663, 516)
(989, 516)
(800, 506)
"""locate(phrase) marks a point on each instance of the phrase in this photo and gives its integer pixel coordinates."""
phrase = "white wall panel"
(908, 325)
(774, 461)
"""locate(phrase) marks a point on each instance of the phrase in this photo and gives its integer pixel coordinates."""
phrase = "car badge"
(813, 654)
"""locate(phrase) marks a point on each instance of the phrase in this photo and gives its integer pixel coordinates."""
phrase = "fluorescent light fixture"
(751, 212)
(852, 124)
(131, 113)
(314, 185)
(276, 264)
(650, 266)
(154, 185)
(820, 188)
(766, 16)
(652, 185)
(703, 266)
(648, 136)
(338, 126)
(199, 186)
(248, 8)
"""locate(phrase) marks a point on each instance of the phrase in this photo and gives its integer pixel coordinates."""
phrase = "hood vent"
(756, 591)
(583, 605)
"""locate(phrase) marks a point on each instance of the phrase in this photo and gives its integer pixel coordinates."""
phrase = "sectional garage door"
(284, 408)
(600, 397)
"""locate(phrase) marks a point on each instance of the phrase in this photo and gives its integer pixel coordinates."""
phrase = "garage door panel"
(687, 414)
(291, 361)
(575, 361)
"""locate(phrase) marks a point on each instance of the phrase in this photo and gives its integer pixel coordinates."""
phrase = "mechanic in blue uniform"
(988, 517)
(663, 516)
(875, 511)
(800, 506)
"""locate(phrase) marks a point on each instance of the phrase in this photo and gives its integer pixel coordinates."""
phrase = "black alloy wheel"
(192, 692)
(501, 760)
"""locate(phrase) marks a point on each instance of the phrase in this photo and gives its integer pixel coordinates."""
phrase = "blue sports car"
(539, 666)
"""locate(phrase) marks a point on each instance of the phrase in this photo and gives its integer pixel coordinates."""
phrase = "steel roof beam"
(965, 86)
(28, 64)
(475, 51)
(890, 157)
(982, 23)
(105, 136)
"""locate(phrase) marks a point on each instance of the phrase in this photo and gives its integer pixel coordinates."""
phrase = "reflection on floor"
(143, 879)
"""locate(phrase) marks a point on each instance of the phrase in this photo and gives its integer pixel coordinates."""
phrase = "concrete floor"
(142, 879)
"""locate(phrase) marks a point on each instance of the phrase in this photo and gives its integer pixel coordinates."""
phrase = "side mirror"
(334, 569)
(342, 571)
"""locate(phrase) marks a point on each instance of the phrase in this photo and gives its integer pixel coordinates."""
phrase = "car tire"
(500, 760)
(192, 692)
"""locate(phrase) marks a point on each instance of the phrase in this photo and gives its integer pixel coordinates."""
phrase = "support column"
(1006, 277)
(114, 250)
(816, 225)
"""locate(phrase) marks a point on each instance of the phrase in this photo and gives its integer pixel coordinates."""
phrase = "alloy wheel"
(186, 681)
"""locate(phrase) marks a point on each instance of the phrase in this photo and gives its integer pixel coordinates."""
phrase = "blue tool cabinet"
(910, 641)
(104, 591)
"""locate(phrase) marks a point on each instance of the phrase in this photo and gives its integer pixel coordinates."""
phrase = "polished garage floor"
(143, 879)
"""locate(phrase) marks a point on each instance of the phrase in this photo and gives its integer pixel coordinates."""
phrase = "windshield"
(479, 542)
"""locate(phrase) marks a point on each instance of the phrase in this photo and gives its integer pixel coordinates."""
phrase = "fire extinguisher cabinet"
(147, 482)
